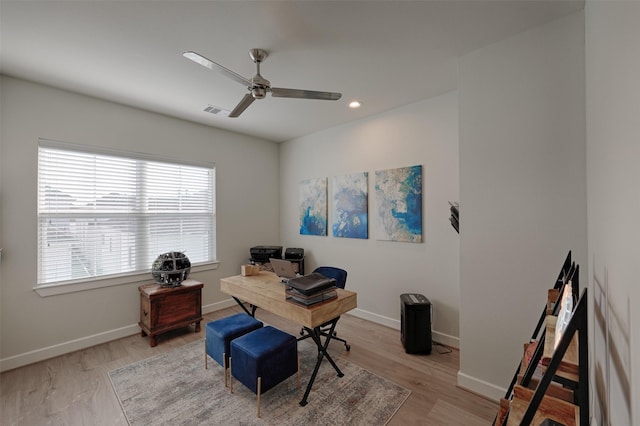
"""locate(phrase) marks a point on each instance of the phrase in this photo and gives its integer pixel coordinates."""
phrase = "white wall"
(613, 151)
(424, 133)
(35, 327)
(522, 191)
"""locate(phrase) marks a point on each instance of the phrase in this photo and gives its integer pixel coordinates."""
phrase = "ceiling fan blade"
(199, 59)
(244, 104)
(279, 92)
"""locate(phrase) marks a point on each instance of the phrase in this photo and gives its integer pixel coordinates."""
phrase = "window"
(103, 214)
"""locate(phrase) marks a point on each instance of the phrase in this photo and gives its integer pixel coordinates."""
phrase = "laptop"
(283, 269)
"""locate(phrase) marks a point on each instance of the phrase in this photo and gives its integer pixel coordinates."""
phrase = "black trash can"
(415, 323)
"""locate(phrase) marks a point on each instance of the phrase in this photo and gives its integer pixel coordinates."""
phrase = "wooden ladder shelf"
(554, 383)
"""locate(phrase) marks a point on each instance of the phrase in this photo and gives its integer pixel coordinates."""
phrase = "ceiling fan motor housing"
(259, 86)
(258, 92)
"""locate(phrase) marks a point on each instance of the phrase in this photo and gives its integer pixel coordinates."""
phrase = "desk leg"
(322, 352)
(253, 307)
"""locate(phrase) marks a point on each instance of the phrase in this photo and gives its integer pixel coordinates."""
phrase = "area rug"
(174, 388)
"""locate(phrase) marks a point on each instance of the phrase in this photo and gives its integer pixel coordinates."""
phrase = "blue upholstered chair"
(263, 358)
(340, 275)
(221, 332)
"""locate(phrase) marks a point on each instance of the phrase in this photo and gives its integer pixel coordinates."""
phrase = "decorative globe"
(170, 269)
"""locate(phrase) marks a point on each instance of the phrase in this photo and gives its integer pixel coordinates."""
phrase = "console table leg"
(197, 326)
(153, 341)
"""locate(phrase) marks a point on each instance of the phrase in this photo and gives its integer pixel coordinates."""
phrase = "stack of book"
(311, 289)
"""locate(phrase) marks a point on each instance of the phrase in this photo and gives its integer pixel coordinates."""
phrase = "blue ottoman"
(263, 358)
(220, 333)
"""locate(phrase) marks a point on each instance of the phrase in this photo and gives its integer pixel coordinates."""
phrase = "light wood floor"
(74, 389)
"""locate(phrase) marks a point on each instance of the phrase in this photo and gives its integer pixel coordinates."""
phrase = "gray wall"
(522, 191)
(613, 151)
(35, 327)
(424, 133)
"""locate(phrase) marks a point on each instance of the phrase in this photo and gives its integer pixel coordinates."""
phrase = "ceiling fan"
(258, 86)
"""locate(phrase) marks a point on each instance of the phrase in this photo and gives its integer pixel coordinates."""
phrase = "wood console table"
(167, 308)
(265, 290)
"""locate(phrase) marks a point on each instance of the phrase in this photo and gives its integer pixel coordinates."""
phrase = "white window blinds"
(103, 214)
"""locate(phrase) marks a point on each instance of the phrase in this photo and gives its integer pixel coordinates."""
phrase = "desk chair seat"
(263, 358)
(340, 275)
(220, 333)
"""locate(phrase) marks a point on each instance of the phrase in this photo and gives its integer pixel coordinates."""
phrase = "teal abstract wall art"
(350, 212)
(313, 206)
(398, 194)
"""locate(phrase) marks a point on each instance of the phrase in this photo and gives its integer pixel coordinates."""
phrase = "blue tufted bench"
(220, 333)
(263, 358)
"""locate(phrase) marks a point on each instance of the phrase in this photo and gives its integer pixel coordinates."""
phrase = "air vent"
(216, 110)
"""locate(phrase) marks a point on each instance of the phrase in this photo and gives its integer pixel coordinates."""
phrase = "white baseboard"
(436, 336)
(445, 339)
(207, 309)
(480, 387)
(42, 354)
(378, 319)
(48, 352)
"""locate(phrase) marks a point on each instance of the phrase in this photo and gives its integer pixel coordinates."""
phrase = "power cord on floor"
(447, 350)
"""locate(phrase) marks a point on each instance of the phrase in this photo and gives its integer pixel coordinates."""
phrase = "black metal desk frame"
(316, 334)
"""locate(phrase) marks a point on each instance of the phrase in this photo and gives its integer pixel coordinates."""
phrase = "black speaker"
(262, 254)
(415, 323)
(294, 253)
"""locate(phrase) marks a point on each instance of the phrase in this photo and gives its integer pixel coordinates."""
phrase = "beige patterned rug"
(174, 388)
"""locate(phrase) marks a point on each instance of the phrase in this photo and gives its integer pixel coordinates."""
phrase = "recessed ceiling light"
(355, 104)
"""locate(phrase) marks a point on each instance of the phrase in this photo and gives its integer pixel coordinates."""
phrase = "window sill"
(56, 289)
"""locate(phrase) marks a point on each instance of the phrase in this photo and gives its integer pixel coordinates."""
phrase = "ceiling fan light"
(259, 92)
(355, 104)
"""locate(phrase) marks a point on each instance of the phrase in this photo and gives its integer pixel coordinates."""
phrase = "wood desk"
(264, 290)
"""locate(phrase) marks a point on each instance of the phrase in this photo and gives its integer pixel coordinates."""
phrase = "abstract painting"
(350, 206)
(313, 207)
(398, 195)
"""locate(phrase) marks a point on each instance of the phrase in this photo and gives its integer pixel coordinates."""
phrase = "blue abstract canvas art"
(350, 206)
(313, 207)
(398, 194)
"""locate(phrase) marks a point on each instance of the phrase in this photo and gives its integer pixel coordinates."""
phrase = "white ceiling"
(384, 53)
